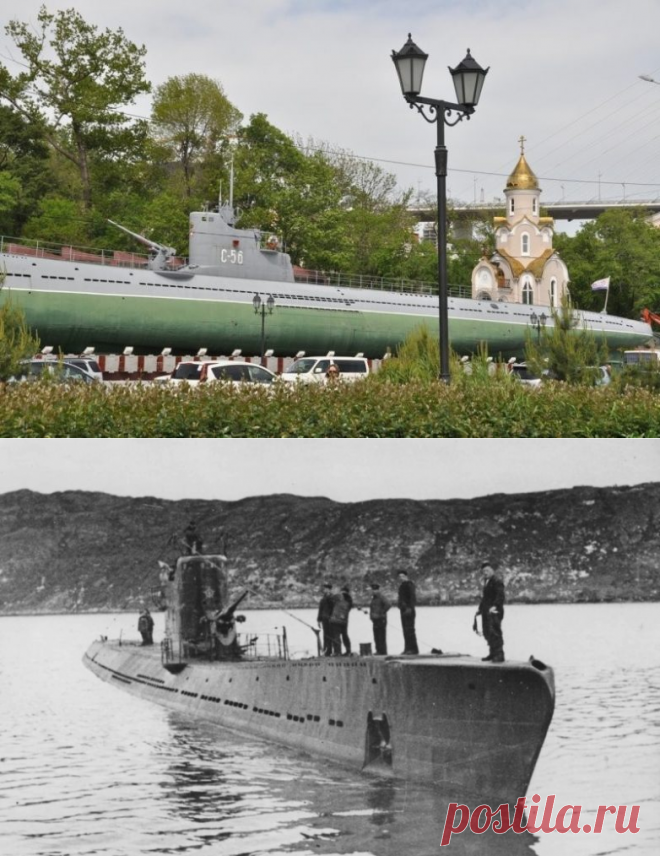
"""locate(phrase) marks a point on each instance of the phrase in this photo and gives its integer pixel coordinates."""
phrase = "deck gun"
(225, 623)
(227, 617)
(159, 255)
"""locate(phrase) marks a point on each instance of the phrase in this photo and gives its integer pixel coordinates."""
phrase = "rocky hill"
(76, 551)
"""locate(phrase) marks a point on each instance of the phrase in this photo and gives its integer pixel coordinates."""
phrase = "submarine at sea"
(75, 299)
(468, 728)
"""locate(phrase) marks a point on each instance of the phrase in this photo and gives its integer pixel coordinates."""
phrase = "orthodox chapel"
(524, 267)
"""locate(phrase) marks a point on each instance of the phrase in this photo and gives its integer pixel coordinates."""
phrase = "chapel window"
(524, 244)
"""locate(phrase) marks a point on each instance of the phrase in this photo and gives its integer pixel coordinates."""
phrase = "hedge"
(372, 408)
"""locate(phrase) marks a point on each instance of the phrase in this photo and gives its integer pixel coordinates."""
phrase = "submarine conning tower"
(196, 591)
(218, 248)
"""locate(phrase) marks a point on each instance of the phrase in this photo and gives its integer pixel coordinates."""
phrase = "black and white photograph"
(329, 646)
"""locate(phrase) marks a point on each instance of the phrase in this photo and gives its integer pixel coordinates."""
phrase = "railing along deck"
(377, 283)
(248, 646)
(70, 253)
(123, 258)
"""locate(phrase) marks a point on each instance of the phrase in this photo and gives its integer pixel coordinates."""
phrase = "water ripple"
(88, 771)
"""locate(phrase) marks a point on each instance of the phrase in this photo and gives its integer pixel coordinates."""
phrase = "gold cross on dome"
(522, 140)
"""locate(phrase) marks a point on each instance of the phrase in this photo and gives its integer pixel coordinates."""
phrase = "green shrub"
(16, 340)
(373, 408)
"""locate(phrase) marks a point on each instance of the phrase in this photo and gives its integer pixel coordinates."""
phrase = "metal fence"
(123, 258)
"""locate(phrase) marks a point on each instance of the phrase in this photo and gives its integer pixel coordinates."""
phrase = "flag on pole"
(601, 284)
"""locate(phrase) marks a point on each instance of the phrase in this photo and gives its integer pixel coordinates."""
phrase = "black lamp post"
(468, 79)
(261, 306)
(537, 322)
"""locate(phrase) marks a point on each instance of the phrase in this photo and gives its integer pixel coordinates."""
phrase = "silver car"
(63, 372)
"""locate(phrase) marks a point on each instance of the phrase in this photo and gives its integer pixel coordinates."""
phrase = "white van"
(642, 357)
(314, 369)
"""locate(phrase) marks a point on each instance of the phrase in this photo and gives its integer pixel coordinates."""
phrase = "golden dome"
(522, 178)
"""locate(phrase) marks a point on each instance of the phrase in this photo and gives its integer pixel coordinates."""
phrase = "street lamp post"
(537, 322)
(261, 307)
(468, 79)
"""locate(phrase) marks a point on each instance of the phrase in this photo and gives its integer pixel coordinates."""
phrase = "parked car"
(235, 372)
(599, 375)
(523, 374)
(86, 364)
(194, 372)
(59, 370)
(315, 369)
(189, 371)
(642, 358)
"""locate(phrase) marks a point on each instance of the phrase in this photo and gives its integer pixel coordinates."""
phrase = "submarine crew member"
(146, 627)
(378, 614)
(339, 621)
(407, 601)
(491, 610)
(326, 606)
(192, 539)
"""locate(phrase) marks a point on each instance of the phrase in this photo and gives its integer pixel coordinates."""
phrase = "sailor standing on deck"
(491, 610)
(378, 613)
(326, 605)
(146, 627)
(339, 621)
(406, 602)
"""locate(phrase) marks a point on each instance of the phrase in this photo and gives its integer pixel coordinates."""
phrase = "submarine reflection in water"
(225, 787)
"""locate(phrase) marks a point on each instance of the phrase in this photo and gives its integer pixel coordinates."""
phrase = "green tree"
(16, 340)
(382, 243)
(77, 97)
(363, 183)
(569, 353)
(296, 196)
(191, 119)
(59, 220)
(622, 245)
(10, 191)
(416, 359)
(24, 170)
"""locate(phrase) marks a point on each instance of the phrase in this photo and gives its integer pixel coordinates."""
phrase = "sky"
(565, 75)
(342, 470)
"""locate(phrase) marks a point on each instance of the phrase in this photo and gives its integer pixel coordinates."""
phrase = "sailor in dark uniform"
(146, 627)
(491, 610)
(326, 605)
(406, 603)
(378, 609)
(192, 540)
(343, 604)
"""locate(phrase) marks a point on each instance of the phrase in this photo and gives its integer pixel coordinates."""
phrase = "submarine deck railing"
(248, 646)
(125, 259)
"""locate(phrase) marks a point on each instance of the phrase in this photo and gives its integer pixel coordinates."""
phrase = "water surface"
(87, 769)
